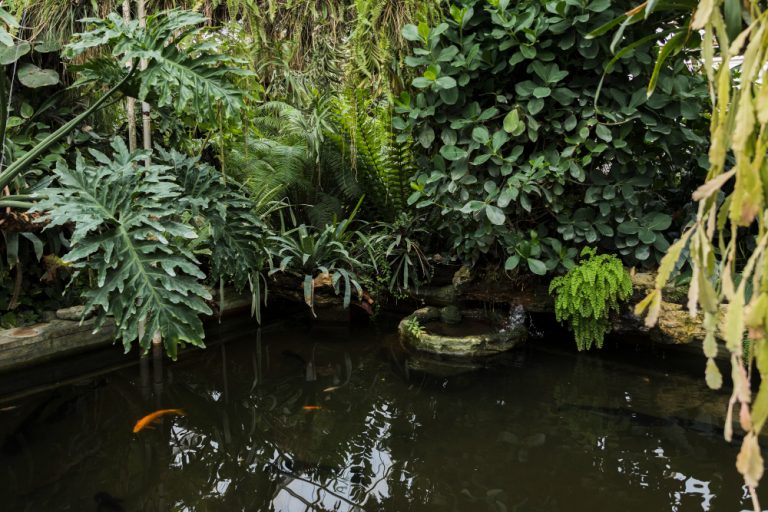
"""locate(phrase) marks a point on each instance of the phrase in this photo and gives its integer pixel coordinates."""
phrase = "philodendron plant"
(125, 232)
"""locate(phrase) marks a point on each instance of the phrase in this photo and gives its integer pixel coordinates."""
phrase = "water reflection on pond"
(293, 419)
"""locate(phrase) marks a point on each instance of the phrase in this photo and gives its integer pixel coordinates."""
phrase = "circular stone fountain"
(468, 334)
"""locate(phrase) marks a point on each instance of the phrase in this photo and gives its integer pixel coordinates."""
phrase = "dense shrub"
(520, 161)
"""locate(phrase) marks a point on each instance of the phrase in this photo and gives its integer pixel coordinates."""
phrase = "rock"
(462, 276)
(450, 314)
(439, 368)
(675, 326)
(501, 336)
(74, 313)
(436, 296)
(47, 316)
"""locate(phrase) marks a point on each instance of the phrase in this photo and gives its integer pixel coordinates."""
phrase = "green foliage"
(381, 167)
(327, 154)
(414, 328)
(400, 253)
(726, 245)
(520, 160)
(320, 254)
(588, 294)
(9, 25)
(231, 236)
(127, 233)
(184, 69)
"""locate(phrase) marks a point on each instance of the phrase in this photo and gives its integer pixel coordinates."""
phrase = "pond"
(293, 418)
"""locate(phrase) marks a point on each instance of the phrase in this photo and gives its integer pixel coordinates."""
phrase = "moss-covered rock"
(450, 314)
(424, 331)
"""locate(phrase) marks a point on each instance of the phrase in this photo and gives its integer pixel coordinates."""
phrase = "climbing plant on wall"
(520, 159)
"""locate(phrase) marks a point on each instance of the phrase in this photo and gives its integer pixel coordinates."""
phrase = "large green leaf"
(126, 231)
(186, 70)
(33, 77)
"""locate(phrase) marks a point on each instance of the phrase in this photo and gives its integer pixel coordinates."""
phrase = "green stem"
(21, 205)
(20, 197)
(3, 115)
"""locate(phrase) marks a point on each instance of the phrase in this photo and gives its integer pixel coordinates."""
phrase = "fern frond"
(588, 294)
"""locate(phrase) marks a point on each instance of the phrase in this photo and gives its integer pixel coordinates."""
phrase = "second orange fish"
(149, 418)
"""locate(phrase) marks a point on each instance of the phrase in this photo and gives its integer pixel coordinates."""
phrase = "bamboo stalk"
(145, 108)
(130, 103)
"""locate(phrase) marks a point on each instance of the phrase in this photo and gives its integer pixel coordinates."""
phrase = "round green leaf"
(511, 121)
(452, 153)
(646, 236)
(537, 266)
(495, 215)
(480, 135)
(10, 54)
(411, 32)
(33, 77)
(426, 136)
(535, 106)
(542, 92)
(658, 221)
(47, 47)
(445, 82)
(604, 132)
(512, 262)
(26, 110)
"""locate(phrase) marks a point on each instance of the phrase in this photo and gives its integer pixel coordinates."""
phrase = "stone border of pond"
(499, 337)
(675, 326)
(66, 334)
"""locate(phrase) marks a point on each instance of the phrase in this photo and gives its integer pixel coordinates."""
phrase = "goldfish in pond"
(312, 407)
(149, 418)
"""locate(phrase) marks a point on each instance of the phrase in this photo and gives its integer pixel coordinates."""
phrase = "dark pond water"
(299, 419)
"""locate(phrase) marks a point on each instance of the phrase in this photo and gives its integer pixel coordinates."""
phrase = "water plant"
(588, 294)
(414, 327)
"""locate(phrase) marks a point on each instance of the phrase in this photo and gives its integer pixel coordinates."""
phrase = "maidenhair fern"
(587, 295)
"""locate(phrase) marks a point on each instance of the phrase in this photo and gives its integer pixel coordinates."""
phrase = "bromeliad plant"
(322, 254)
(399, 245)
(588, 294)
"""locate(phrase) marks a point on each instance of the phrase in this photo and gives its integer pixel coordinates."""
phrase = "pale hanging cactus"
(730, 278)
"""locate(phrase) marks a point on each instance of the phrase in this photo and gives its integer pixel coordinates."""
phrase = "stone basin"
(479, 333)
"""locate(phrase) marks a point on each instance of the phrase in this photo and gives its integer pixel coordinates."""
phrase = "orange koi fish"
(312, 407)
(149, 418)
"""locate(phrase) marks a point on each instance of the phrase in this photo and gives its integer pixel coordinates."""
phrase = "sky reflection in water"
(547, 430)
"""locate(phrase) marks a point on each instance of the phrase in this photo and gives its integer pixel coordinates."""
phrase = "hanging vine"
(728, 241)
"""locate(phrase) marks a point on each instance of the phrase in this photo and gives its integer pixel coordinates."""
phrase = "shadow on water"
(294, 418)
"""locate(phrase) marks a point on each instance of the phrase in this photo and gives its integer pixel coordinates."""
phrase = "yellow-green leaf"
(712, 375)
(749, 462)
(710, 345)
(732, 329)
(760, 409)
(712, 186)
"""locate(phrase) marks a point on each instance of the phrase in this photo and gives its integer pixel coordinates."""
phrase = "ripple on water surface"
(297, 419)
